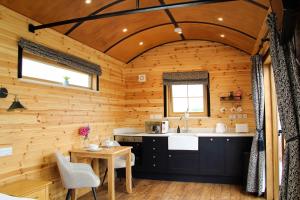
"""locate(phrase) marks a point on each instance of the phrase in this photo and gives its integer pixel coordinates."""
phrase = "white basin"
(183, 142)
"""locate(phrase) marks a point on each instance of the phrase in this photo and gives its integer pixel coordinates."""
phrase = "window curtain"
(60, 57)
(194, 77)
(257, 166)
(287, 83)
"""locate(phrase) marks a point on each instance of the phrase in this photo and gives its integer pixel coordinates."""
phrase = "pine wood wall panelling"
(54, 113)
(228, 68)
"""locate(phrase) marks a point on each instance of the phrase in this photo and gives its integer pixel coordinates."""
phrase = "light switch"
(6, 151)
(245, 116)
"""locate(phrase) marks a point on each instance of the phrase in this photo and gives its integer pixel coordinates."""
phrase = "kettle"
(221, 128)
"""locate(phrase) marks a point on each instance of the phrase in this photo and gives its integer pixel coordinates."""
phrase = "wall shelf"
(231, 99)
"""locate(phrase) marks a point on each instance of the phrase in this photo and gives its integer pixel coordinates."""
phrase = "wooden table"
(109, 154)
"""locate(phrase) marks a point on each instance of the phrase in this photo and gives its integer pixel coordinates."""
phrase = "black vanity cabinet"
(211, 156)
(154, 154)
(218, 160)
(183, 162)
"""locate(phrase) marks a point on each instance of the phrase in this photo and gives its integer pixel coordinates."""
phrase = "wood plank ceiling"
(242, 20)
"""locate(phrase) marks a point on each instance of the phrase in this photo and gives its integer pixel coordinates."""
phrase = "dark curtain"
(257, 162)
(287, 82)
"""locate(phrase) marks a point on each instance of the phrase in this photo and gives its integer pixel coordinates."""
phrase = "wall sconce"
(16, 104)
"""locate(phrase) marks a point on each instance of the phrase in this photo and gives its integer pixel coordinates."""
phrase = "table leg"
(74, 192)
(111, 178)
(128, 173)
(95, 164)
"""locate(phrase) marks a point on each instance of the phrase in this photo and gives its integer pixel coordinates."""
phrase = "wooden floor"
(168, 190)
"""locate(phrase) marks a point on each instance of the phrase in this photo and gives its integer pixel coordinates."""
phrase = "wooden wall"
(229, 70)
(54, 114)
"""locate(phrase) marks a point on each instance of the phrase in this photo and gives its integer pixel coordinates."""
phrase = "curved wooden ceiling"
(242, 21)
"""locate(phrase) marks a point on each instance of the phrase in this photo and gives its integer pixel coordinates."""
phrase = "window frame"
(93, 79)
(171, 113)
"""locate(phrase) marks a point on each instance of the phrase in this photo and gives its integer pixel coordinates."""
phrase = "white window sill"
(25, 80)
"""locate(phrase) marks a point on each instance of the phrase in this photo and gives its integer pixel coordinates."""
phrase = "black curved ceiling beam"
(32, 28)
(254, 2)
(181, 41)
(171, 17)
(94, 13)
(179, 22)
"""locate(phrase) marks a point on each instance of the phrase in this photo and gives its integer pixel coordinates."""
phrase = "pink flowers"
(84, 131)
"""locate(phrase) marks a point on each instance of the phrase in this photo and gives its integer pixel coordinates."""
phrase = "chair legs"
(104, 177)
(94, 193)
(68, 194)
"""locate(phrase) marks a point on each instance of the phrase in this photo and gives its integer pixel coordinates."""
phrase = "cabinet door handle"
(170, 156)
(228, 140)
(153, 140)
(211, 139)
(154, 148)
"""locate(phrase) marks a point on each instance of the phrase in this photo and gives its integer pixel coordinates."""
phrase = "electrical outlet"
(68, 158)
(245, 116)
(6, 151)
(158, 116)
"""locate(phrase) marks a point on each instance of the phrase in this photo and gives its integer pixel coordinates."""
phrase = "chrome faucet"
(186, 121)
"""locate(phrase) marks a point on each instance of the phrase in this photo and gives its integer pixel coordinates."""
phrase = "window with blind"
(44, 65)
(44, 70)
(186, 92)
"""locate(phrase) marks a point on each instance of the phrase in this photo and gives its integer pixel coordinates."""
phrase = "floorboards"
(169, 190)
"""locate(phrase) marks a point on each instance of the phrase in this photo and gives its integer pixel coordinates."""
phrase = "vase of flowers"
(66, 80)
(84, 133)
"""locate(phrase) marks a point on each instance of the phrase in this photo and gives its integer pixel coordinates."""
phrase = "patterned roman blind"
(192, 77)
(60, 57)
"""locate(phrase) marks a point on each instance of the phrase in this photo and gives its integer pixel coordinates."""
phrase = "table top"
(103, 152)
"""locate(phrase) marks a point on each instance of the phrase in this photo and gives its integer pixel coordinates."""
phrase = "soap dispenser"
(178, 129)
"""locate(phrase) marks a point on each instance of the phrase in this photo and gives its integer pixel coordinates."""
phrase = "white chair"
(76, 175)
(120, 162)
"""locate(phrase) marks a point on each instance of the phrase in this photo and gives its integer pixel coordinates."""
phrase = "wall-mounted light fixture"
(16, 104)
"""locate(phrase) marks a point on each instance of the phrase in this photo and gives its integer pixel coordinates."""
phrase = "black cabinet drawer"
(155, 141)
(155, 153)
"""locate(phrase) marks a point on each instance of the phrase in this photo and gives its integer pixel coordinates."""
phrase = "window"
(42, 64)
(191, 98)
(44, 70)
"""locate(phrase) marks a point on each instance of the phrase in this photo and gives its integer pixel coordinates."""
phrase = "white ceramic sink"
(183, 142)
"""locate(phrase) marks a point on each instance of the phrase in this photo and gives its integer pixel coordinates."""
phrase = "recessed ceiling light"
(222, 35)
(178, 30)
(125, 30)
(220, 19)
(88, 1)
(141, 43)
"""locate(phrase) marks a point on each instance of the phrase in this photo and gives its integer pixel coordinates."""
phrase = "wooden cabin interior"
(170, 81)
